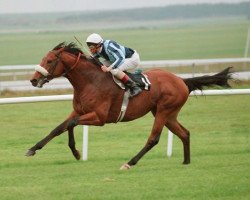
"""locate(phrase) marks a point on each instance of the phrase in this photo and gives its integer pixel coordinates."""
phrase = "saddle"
(138, 77)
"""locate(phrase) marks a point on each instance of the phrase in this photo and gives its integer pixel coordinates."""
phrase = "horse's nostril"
(33, 82)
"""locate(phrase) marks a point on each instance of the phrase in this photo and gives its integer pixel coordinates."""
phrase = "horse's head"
(52, 65)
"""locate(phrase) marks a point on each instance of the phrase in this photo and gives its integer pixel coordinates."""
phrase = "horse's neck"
(85, 73)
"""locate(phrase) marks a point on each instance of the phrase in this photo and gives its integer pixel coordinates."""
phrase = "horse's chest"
(84, 105)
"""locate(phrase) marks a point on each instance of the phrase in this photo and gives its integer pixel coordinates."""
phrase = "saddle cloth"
(138, 77)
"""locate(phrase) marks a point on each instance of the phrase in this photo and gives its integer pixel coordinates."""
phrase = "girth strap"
(124, 106)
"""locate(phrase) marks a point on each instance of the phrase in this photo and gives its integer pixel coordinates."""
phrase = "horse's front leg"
(87, 119)
(66, 125)
(72, 143)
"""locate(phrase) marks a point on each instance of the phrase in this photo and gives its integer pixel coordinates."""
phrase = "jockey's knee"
(117, 73)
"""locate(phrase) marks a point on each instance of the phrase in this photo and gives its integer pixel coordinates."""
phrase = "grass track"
(219, 126)
(220, 155)
(196, 40)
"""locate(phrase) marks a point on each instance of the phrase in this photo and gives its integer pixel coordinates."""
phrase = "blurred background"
(181, 36)
(186, 37)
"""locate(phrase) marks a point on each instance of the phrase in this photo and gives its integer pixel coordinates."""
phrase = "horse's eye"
(49, 61)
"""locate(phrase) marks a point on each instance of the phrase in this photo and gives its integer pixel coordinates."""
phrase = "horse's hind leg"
(175, 127)
(151, 142)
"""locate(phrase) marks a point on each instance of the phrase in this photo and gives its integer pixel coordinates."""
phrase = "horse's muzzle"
(39, 82)
(33, 82)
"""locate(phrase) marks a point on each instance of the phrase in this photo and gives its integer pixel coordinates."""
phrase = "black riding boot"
(133, 87)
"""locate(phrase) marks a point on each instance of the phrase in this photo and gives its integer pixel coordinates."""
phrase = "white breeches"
(128, 64)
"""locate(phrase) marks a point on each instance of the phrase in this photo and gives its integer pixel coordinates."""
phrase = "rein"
(77, 60)
(74, 66)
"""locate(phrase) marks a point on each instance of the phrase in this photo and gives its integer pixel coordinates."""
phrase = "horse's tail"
(220, 79)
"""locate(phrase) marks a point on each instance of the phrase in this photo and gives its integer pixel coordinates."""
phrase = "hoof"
(125, 167)
(77, 155)
(186, 163)
(30, 153)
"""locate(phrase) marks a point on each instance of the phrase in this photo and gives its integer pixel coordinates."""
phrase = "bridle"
(58, 58)
(49, 73)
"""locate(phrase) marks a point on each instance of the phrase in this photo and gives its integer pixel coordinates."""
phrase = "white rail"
(220, 92)
(70, 96)
(36, 99)
(191, 62)
(85, 128)
(153, 63)
(21, 85)
(63, 83)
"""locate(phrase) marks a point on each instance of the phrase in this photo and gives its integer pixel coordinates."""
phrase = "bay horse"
(97, 99)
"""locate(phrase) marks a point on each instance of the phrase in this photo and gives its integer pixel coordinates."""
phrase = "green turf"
(220, 155)
(191, 41)
(219, 126)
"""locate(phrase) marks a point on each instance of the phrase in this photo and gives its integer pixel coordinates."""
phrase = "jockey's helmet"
(94, 38)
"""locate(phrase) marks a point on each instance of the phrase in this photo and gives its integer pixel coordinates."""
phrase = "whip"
(85, 49)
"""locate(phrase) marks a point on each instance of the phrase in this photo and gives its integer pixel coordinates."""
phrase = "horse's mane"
(74, 49)
(70, 48)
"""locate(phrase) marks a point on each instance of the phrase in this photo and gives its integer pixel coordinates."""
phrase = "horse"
(97, 99)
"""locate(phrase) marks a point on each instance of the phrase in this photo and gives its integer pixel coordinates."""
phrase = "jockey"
(117, 59)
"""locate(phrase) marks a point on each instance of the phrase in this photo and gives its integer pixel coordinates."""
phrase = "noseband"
(49, 74)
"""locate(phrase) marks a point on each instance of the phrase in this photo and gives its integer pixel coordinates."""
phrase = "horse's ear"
(61, 50)
(59, 46)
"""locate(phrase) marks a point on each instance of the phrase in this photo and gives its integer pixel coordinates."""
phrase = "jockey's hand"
(105, 68)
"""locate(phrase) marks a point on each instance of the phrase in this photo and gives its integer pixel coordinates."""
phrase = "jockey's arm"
(116, 52)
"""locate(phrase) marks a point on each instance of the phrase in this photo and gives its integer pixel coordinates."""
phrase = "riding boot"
(133, 87)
